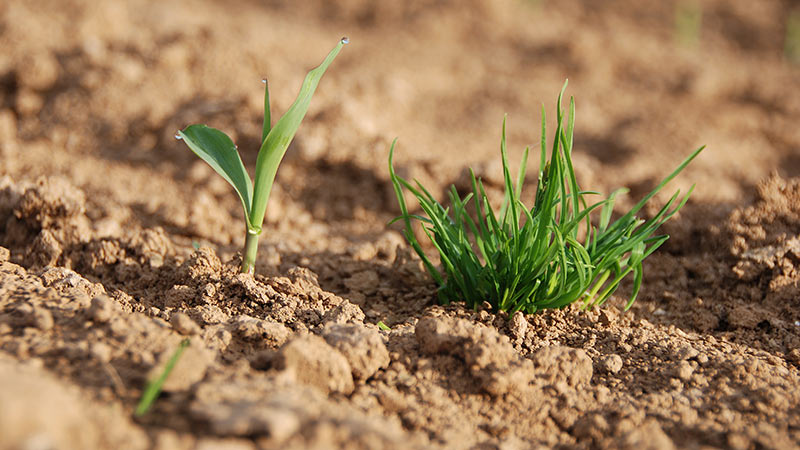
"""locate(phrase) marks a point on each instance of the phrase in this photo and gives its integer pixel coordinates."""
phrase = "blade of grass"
(154, 387)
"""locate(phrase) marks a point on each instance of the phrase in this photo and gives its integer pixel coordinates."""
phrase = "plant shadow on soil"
(695, 282)
(336, 191)
(390, 287)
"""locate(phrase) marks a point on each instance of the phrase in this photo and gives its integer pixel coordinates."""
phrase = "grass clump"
(218, 150)
(547, 256)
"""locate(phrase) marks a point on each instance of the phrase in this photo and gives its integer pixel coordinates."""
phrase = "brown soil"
(101, 212)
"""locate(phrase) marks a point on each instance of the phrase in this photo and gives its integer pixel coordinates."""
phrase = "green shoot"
(154, 386)
(688, 19)
(548, 256)
(218, 150)
(792, 44)
(383, 326)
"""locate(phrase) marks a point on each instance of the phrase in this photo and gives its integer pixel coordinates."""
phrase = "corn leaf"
(280, 136)
(217, 149)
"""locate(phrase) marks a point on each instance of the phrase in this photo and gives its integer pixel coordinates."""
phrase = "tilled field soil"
(116, 242)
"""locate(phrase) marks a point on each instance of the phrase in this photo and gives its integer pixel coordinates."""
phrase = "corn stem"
(250, 249)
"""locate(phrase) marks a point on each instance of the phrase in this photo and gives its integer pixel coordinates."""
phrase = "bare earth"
(101, 212)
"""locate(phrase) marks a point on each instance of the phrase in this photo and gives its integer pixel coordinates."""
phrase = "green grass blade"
(608, 209)
(666, 180)
(267, 115)
(508, 212)
(217, 149)
(280, 136)
(409, 229)
(154, 387)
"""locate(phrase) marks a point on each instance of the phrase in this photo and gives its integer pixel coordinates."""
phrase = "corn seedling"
(218, 150)
(548, 256)
(154, 386)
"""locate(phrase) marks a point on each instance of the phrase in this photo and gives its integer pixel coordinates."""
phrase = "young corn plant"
(218, 150)
(547, 256)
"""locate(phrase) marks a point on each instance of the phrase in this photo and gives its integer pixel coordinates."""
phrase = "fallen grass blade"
(154, 386)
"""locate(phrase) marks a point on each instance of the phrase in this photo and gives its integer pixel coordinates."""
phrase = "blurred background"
(95, 91)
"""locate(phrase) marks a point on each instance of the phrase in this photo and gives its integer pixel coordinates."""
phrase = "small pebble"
(518, 325)
(684, 371)
(42, 319)
(101, 351)
(611, 363)
(183, 324)
(102, 308)
(687, 352)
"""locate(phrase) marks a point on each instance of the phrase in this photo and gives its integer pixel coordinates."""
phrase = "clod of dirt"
(611, 363)
(42, 319)
(317, 364)
(365, 281)
(38, 71)
(183, 324)
(45, 249)
(262, 334)
(591, 427)
(69, 282)
(683, 370)
(50, 203)
(38, 411)
(287, 415)
(488, 355)
(203, 264)
(102, 309)
(41, 218)
(518, 326)
(361, 346)
(230, 410)
(558, 364)
(345, 312)
(648, 436)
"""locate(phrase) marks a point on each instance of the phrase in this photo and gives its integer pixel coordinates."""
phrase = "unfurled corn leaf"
(217, 149)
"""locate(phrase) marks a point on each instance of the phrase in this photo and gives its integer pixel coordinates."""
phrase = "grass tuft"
(546, 256)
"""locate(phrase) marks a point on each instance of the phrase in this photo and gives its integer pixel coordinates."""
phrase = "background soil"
(117, 241)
